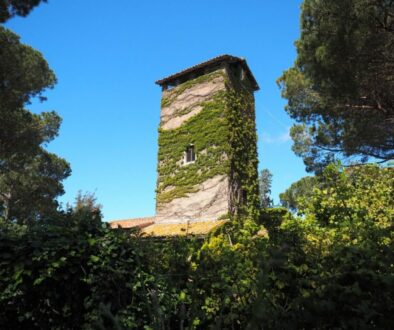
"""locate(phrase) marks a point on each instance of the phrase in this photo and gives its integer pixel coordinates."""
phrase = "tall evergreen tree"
(30, 176)
(341, 87)
(299, 190)
(265, 182)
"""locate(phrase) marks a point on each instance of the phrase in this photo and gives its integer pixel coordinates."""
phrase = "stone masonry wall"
(207, 204)
(209, 199)
(186, 104)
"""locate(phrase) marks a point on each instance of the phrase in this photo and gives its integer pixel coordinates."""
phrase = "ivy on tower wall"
(224, 136)
(207, 131)
(243, 151)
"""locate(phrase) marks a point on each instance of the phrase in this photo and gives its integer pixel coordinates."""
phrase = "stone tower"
(207, 159)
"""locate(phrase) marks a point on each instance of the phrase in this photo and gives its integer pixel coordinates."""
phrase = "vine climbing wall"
(215, 114)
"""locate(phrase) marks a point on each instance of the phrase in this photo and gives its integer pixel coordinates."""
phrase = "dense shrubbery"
(331, 267)
(74, 272)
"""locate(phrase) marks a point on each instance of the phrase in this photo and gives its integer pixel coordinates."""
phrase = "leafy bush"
(42, 272)
(333, 268)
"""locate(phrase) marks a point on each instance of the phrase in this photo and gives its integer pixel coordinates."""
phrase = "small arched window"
(190, 155)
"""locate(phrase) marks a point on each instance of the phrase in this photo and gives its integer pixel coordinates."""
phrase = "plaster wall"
(187, 104)
(209, 202)
(211, 198)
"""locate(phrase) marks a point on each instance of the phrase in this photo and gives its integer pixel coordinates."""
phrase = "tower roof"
(206, 65)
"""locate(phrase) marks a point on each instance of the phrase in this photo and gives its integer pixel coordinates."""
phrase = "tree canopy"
(10, 8)
(30, 176)
(341, 87)
(73, 271)
(302, 189)
(332, 268)
(265, 181)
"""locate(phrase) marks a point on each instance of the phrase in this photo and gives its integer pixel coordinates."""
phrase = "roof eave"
(212, 61)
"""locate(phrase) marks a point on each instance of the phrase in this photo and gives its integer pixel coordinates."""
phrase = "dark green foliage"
(24, 74)
(72, 272)
(302, 189)
(28, 193)
(43, 270)
(30, 177)
(10, 8)
(272, 218)
(332, 269)
(341, 87)
(86, 202)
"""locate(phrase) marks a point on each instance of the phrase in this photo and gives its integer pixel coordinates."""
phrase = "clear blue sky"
(107, 55)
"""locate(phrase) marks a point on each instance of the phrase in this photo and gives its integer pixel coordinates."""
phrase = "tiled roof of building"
(181, 229)
(211, 62)
(132, 223)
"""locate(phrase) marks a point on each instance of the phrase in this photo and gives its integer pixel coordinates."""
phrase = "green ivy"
(174, 93)
(224, 136)
(212, 139)
(332, 268)
(243, 148)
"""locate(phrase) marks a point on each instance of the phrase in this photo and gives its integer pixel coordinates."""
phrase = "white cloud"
(281, 138)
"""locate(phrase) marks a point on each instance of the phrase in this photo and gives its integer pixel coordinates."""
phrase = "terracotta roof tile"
(131, 223)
